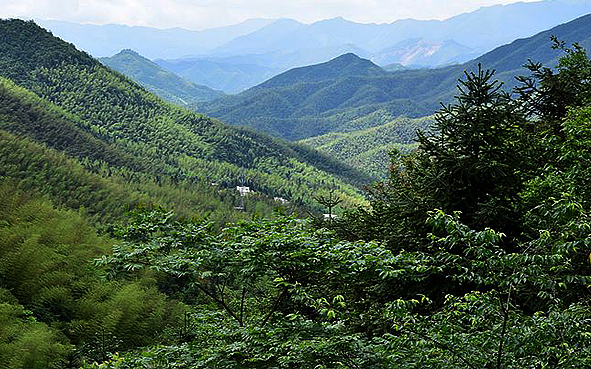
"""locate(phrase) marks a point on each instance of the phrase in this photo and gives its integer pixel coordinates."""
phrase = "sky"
(200, 14)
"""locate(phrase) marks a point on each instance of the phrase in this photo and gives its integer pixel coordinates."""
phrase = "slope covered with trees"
(159, 81)
(474, 253)
(369, 149)
(319, 99)
(124, 129)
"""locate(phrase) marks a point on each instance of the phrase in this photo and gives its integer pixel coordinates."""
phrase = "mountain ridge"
(175, 146)
(330, 103)
(263, 43)
(156, 79)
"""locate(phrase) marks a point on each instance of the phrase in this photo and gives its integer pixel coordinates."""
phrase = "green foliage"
(161, 82)
(474, 157)
(369, 149)
(46, 264)
(153, 146)
(26, 343)
(278, 294)
(549, 94)
(324, 98)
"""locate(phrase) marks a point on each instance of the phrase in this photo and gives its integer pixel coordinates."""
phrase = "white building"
(243, 190)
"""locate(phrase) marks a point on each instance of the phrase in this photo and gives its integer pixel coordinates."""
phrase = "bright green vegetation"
(159, 81)
(43, 148)
(109, 126)
(55, 307)
(369, 149)
(319, 99)
(473, 254)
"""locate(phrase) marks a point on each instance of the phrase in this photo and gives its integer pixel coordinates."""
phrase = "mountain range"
(158, 80)
(86, 136)
(328, 97)
(261, 49)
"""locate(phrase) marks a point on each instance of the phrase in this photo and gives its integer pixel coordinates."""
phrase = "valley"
(288, 190)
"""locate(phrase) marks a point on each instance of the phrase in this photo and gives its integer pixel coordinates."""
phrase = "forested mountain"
(128, 132)
(301, 102)
(159, 81)
(304, 102)
(369, 149)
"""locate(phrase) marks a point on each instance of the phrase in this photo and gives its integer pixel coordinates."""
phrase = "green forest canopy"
(474, 253)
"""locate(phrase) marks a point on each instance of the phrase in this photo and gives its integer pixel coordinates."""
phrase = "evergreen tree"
(473, 157)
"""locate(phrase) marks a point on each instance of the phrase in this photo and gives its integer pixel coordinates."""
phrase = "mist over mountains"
(159, 81)
(236, 57)
(328, 97)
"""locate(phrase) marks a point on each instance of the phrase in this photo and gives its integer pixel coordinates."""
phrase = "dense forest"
(63, 99)
(473, 253)
(370, 149)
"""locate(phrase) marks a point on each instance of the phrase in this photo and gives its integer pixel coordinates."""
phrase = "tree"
(473, 156)
(330, 201)
(547, 93)
(474, 160)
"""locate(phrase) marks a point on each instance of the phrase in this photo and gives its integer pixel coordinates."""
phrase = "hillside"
(45, 150)
(167, 144)
(159, 81)
(230, 76)
(323, 98)
(369, 149)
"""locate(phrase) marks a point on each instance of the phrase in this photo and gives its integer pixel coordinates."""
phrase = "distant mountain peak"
(343, 66)
(352, 64)
(128, 52)
(338, 19)
(347, 57)
(164, 83)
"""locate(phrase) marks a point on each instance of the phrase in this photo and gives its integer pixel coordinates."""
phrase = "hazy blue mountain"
(395, 67)
(230, 76)
(156, 79)
(266, 39)
(235, 74)
(264, 48)
(107, 40)
(478, 31)
(287, 35)
(323, 98)
(421, 52)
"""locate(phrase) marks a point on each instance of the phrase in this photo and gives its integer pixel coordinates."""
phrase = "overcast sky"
(199, 14)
